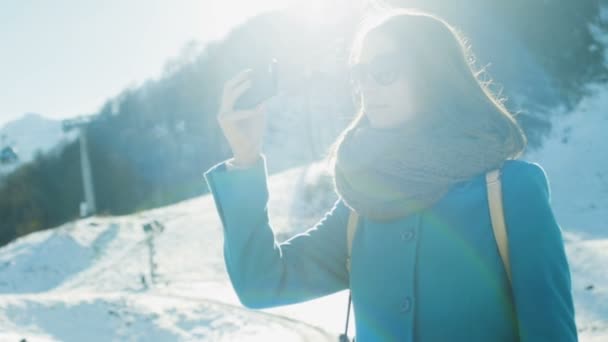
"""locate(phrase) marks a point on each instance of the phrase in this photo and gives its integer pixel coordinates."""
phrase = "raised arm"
(541, 275)
(263, 272)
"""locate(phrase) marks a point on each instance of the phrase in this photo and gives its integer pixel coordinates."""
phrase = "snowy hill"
(113, 281)
(143, 317)
(95, 274)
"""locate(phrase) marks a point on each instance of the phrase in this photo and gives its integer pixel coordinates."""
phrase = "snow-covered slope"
(142, 317)
(105, 278)
(92, 279)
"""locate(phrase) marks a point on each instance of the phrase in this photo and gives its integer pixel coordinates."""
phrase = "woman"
(425, 265)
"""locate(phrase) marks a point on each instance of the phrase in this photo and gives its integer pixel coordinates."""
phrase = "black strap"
(344, 337)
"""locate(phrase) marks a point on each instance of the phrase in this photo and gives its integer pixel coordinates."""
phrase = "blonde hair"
(445, 77)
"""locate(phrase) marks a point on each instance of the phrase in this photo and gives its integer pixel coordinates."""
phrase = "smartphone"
(263, 86)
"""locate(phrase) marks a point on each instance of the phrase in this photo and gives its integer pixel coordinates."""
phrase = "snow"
(142, 317)
(106, 279)
(95, 274)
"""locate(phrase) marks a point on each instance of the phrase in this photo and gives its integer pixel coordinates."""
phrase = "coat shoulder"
(522, 177)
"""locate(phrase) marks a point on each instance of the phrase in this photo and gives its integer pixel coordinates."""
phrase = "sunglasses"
(384, 69)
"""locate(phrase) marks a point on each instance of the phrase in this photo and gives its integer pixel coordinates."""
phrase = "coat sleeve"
(541, 275)
(263, 272)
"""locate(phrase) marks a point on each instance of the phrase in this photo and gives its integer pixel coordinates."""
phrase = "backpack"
(494, 190)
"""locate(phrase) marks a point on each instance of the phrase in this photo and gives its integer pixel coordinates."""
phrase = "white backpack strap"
(497, 215)
(353, 219)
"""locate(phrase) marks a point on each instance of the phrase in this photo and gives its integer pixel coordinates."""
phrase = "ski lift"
(8, 156)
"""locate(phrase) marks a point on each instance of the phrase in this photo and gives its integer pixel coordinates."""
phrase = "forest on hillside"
(150, 144)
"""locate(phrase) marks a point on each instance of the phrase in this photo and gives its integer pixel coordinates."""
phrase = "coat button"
(406, 306)
(407, 235)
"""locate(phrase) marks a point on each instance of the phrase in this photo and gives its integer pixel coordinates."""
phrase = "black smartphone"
(263, 86)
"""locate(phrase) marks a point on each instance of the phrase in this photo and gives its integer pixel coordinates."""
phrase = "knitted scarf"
(386, 173)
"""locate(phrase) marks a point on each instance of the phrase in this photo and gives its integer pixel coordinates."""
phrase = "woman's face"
(386, 95)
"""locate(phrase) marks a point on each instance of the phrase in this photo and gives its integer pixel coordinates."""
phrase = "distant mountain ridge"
(31, 133)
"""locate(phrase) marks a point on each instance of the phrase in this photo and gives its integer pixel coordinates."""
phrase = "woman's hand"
(244, 129)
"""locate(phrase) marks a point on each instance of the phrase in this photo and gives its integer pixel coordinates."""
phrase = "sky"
(64, 58)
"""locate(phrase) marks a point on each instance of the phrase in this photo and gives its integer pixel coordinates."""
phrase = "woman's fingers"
(240, 77)
(237, 91)
(242, 128)
(233, 89)
(242, 114)
(261, 107)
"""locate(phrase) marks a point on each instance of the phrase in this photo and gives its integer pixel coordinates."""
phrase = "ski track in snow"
(76, 316)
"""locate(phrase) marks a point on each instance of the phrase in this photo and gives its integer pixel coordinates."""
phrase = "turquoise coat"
(435, 275)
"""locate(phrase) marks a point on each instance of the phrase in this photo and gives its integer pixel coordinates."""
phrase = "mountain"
(106, 274)
(32, 133)
(148, 144)
(114, 281)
